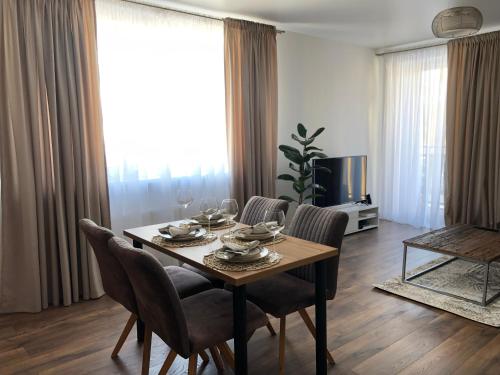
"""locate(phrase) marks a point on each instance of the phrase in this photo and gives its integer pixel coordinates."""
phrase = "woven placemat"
(270, 241)
(273, 258)
(159, 240)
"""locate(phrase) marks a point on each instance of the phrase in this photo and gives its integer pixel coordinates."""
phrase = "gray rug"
(457, 277)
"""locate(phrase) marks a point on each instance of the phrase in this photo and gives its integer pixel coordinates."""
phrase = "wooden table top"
(296, 252)
(463, 241)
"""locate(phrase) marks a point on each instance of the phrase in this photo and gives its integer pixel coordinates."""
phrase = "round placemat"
(159, 240)
(273, 258)
(270, 241)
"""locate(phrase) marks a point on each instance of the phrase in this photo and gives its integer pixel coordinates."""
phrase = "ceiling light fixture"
(457, 22)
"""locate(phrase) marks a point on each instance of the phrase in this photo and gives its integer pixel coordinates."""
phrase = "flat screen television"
(346, 182)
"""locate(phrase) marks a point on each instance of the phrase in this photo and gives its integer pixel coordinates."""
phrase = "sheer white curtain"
(162, 87)
(411, 139)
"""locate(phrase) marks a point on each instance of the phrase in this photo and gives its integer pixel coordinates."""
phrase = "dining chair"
(188, 326)
(256, 207)
(116, 283)
(294, 291)
(253, 213)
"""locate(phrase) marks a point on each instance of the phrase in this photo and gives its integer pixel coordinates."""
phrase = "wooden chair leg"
(204, 356)
(282, 345)
(310, 326)
(217, 358)
(126, 330)
(193, 364)
(146, 351)
(227, 354)
(270, 329)
(168, 362)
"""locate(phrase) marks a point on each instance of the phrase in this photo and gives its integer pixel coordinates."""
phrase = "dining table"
(295, 252)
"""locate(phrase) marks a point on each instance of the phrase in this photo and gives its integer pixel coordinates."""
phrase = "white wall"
(325, 83)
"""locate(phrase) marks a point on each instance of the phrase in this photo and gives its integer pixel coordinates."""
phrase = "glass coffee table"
(465, 242)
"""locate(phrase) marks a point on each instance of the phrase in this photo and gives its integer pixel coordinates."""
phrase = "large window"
(412, 137)
(162, 88)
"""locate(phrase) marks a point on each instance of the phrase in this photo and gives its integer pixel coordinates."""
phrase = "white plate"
(246, 234)
(252, 256)
(193, 235)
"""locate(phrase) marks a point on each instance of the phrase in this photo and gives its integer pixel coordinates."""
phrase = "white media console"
(361, 216)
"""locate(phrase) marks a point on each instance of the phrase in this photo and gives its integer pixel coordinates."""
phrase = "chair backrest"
(324, 226)
(157, 299)
(114, 279)
(255, 208)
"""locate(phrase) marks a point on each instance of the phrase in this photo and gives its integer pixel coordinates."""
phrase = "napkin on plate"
(240, 248)
(261, 228)
(179, 230)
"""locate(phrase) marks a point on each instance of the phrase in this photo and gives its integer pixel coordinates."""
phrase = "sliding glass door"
(411, 139)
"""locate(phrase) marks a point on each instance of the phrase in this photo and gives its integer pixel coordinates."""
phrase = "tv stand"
(361, 216)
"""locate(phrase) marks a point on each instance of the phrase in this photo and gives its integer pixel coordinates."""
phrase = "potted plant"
(302, 166)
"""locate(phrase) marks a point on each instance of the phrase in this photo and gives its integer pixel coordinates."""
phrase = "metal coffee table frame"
(484, 301)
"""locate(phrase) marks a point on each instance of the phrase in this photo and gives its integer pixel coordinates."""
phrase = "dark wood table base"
(465, 242)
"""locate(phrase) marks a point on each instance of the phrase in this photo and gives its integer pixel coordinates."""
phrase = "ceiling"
(370, 23)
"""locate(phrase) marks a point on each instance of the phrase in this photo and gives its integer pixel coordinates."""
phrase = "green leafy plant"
(301, 164)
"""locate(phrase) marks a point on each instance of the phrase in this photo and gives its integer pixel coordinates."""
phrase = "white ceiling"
(370, 23)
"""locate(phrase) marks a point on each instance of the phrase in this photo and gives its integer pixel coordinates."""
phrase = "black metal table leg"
(139, 324)
(403, 274)
(320, 275)
(485, 285)
(240, 328)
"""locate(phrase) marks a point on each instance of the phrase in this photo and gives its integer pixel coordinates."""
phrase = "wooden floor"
(369, 331)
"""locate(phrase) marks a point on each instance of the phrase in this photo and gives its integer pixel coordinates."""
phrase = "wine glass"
(184, 197)
(209, 207)
(229, 209)
(275, 221)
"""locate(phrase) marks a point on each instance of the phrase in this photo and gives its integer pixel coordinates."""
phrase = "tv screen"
(346, 182)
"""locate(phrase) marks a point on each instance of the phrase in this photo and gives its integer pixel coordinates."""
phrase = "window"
(163, 101)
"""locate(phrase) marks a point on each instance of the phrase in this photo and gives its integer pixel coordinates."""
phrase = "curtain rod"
(407, 49)
(184, 12)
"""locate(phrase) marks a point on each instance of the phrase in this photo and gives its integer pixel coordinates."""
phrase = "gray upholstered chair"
(294, 290)
(114, 279)
(252, 214)
(256, 207)
(188, 326)
(117, 285)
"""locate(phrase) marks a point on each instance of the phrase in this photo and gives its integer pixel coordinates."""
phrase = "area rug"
(457, 277)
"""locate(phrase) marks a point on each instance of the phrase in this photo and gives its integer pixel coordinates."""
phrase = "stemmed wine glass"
(209, 207)
(184, 197)
(275, 221)
(229, 210)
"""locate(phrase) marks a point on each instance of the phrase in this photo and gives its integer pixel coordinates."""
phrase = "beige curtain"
(473, 131)
(51, 153)
(251, 107)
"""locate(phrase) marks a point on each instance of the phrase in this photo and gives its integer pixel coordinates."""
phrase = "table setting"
(183, 234)
(262, 232)
(243, 248)
(241, 255)
(198, 229)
